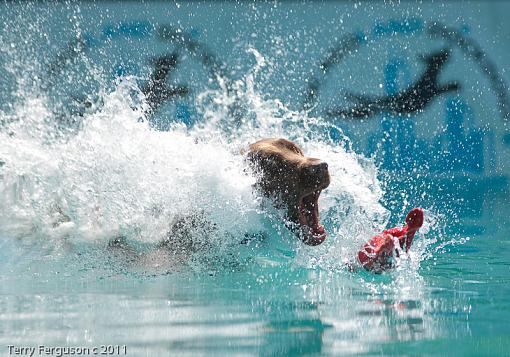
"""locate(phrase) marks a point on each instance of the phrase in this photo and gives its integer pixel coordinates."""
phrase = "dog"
(283, 173)
(294, 181)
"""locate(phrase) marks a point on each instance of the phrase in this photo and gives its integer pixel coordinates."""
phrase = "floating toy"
(376, 254)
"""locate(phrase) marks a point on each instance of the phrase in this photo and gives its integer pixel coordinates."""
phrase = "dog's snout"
(320, 169)
(323, 167)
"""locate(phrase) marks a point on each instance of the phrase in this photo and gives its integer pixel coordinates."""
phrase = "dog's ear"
(268, 164)
(244, 150)
(252, 156)
(256, 158)
(288, 145)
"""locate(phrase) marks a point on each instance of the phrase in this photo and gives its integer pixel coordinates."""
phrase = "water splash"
(116, 176)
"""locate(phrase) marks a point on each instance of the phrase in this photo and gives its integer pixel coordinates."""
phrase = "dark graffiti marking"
(156, 90)
(367, 106)
(413, 99)
(475, 52)
(346, 47)
(217, 68)
(67, 56)
(410, 100)
(87, 41)
(395, 143)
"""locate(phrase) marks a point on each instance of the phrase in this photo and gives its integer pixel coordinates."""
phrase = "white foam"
(118, 176)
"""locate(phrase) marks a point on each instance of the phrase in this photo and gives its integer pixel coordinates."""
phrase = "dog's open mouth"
(312, 231)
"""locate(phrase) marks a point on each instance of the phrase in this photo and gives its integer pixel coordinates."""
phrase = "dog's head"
(294, 181)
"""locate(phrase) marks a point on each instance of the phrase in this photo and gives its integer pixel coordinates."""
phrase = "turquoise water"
(455, 303)
(84, 159)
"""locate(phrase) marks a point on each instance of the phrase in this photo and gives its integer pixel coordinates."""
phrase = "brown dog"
(294, 181)
(282, 172)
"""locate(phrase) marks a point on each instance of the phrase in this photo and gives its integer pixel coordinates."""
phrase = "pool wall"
(334, 59)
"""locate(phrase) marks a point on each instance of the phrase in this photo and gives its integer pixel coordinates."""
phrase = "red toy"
(376, 253)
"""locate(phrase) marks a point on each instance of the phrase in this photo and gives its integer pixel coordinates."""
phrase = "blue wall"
(320, 55)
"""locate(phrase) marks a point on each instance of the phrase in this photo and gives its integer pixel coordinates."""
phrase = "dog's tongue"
(312, 231)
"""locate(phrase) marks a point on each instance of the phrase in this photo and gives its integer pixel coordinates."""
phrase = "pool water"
(455, 303)
(86, 158)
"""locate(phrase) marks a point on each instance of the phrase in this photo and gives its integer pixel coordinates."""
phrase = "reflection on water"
(178, 321)
(266, 311)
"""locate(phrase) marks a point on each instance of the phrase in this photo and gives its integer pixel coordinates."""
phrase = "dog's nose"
(320, 168)
(323, 166)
